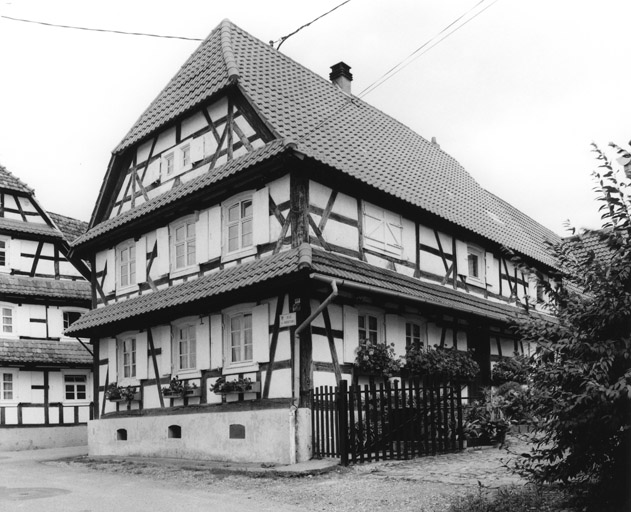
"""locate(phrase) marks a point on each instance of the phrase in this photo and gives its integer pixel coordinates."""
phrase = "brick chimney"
(341, 76)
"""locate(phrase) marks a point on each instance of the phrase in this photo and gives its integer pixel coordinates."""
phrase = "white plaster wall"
(30, 438)
(269, 436)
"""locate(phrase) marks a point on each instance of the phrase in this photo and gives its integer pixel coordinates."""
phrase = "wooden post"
(280, 302)
(96, 371)
(46, 404)
(155, 366)
(342, 421)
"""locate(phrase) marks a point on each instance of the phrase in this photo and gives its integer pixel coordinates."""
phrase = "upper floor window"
(238, 227)
(186, 347)
(369, 327)
(126, 264)
(70, 317)
(7, 320)
(475, 264)
(240, 337)
(183, 244)
(75, 387)
(128, 357)
(4, 253)
(169, 164)
(383, 230)
(7, 386)
(185, 153)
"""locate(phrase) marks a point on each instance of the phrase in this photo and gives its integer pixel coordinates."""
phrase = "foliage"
(485, 420)
(178, 387)
(582, 375)
(510, 499)
(376, 359)
(240, 385)
(517, 398)
(439, 362)
(116, 392)
(511, 369)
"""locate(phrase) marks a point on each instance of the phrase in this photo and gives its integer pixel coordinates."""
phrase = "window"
(4, 253)
(369, 328)
(169, 164)
(239, 225)
(383, 230)
(70, 317)
(183, 244)
(186, 156)
(7, 386)
(128, 349)
(240, 326)
(413, 336)
(185, 347)
(75, 387)
(475, 264)
(127, 265)
(7, 320)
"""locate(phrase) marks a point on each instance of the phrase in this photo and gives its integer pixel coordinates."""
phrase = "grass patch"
(527, 498)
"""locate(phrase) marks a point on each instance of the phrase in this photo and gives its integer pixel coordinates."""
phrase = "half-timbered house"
(45, 376)
(255, 223)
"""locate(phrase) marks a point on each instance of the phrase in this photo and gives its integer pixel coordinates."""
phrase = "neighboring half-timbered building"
(45, 376)
(255, 223)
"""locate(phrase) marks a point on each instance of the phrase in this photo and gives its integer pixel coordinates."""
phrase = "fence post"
(342, 420)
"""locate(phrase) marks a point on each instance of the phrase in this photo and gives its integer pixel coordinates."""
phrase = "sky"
(517, 95)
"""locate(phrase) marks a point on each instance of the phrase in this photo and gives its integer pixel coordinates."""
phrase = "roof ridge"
(227, 51)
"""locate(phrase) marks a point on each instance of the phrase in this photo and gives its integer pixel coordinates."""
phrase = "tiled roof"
(185, 189)
(9, 182)
(43, 352)
(34, 228)
(69, 227)
(354, 271)
(341, 131)
(596, 241)
(39, 287)
(211, 285)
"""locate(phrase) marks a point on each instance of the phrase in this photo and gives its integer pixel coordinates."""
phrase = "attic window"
(4, 253)
(475, 264)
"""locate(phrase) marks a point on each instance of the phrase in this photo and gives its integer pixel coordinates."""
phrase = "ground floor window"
(413, 337)
(241, 338)
(76, 387)
(7, 386)
(129, 357)
(186, 347)
(368, 327)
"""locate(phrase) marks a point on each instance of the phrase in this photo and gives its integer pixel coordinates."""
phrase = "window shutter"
(260, 333)
(394, 230)
(351, 334)
(161, 262)
(532, 289)
(162, 340)
(201, 238)
(492, 274)
(109, 283)
(197, 149)
(153, 173)
(141, 355)
(56, 387)
(409, 241)
(22, 320)
(55, 322)
(214, 232)
(23, 390)
(14, 254)
(112, 359)
(374, 226)
(462, 258)
(216, 341)
(141, 260)
(395, 333)
(260, 214)
(202, 341)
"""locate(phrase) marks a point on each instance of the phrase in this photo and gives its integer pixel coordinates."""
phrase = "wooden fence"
(389, 421)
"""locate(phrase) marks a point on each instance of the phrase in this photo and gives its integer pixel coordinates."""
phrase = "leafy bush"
(510, 499)
(376, 359)
(441, 363)
(178, 387)
(240, 385)
(516, 402)
(116, 392)
(511, 369)
(485, 420)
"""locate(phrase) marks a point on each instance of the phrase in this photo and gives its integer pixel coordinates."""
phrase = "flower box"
(134, 398)
(223, 387)
(188, 393)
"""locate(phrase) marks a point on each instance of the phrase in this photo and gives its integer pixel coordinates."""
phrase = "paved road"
(28, 483)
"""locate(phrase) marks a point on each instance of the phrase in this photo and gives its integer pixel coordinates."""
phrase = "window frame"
(422, 325)
(241, 251)
(173, 243)
(479, 253)
(128, 245)
(13, 310)
(380, 327)
(75, 374)
(391, 221)
(184, 323)
(133, 365)
(228, 315)
(14, 383)
(6, 266)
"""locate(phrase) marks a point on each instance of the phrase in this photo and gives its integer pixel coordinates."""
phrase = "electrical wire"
(415, 54)
(100, 29)
(284, 38)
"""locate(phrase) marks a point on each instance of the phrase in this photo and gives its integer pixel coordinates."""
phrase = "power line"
(413, 56)
(284, 38)
(100, 29)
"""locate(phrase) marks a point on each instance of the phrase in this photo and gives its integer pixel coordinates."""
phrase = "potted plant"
(178, 388)
(116, 393)
(240, 385)
(376, 359)
(447, 364)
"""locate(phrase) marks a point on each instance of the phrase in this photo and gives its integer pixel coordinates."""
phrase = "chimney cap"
(341, 69)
